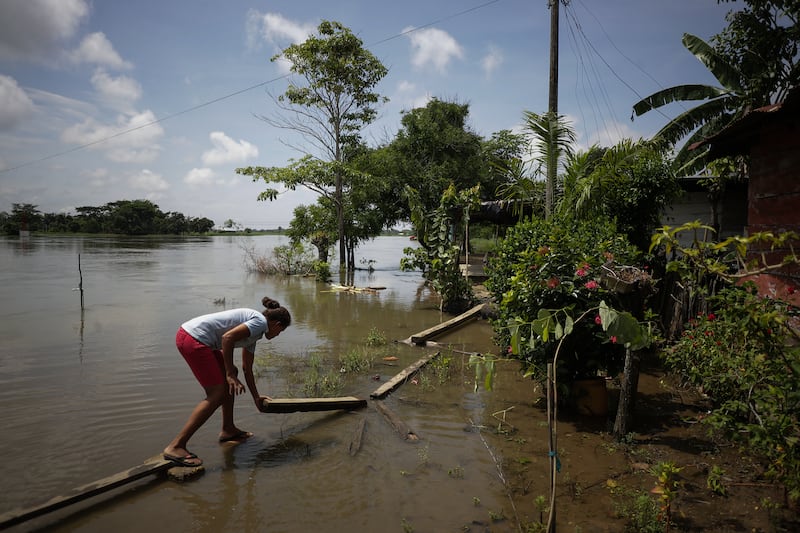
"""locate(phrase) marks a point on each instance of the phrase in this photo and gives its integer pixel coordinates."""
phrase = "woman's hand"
(235, 386)
(261, 403)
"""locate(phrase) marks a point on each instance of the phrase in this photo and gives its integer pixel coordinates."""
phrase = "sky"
(162, 100)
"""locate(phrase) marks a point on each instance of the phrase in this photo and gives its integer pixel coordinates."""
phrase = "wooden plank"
(358, 435)
(422, 336)
(396, 381)
(394, 420)
(149, 467)
(291, 405)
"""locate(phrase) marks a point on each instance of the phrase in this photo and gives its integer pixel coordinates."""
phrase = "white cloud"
(433, 47)
(96, 49)
(118, 92)
(226, 150)
(148, 181)
(277, 30)
(15, 105)
(199, 177)
(36, 29)
(492, 60)
(134, 139)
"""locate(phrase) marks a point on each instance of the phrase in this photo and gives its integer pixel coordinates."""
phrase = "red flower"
(711, 316)
(598, 320)
(790, 289)
(591, 285)
(613, 339)
(553, 282)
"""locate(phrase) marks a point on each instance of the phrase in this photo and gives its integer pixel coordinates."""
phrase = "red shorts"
(206, 364)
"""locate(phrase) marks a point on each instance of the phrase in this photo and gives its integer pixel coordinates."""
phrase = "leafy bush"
(555, 265)
(741, 355)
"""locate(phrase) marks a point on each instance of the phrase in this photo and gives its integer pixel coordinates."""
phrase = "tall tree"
(762, 41)
(435, 148)
(331, 107)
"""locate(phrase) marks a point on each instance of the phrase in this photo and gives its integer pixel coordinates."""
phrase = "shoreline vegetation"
(214, 233)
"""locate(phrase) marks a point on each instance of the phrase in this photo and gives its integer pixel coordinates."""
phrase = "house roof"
(737, 137)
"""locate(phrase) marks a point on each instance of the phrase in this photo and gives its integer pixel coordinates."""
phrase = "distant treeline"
(125, 217)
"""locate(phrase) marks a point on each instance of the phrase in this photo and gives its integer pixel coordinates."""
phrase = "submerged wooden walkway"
(152, 466)
(423, 336)
(157, 464)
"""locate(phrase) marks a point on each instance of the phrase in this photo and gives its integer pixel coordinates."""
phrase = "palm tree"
(722, 105)
(552, 137)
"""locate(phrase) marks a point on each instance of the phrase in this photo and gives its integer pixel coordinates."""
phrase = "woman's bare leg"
(215, 396)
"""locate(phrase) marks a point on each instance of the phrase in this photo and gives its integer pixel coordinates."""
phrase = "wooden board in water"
(291, 405)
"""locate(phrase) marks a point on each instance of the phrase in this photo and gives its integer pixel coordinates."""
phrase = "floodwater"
(85, 394)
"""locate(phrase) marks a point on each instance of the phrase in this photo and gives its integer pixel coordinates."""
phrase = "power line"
(225, 97)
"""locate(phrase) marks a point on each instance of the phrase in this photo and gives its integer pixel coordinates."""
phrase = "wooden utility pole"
(552, 111)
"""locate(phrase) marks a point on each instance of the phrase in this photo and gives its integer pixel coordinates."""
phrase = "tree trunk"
(627, 394)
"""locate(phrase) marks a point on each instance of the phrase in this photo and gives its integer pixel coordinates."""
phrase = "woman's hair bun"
(269, 303)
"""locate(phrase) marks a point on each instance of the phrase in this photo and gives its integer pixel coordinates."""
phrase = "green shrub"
(555, 265)
(740, 354)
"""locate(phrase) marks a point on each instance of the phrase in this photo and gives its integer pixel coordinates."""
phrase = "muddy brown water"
(86, 394)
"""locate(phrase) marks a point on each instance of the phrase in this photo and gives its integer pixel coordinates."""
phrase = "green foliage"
(740, 354)
(356, 360)
(322, 271)
(667, 485)
(320, 382)
(434, 149)
(123, 217)
(375, 337)
(335, 102)
(761, 40)
(714, 481)
(545, 276)
(631, 183)
(554, 137)
(439, 255)
(288, 260)
(640, 511)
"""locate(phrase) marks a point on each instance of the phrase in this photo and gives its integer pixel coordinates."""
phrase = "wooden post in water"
(80, 281)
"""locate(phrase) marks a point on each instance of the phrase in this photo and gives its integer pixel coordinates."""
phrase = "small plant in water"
(319, 383)
(375, 337)
(407, 527)
(667, 488)
(356, 360)
(476, 501)
(714, 481)
(456, 472)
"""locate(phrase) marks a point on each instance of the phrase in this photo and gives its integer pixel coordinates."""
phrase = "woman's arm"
(229, 339)
(247, 366)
